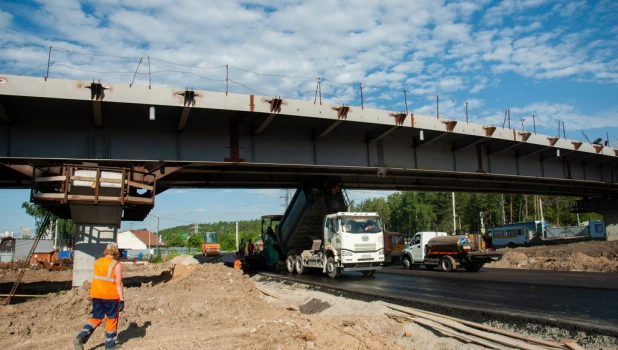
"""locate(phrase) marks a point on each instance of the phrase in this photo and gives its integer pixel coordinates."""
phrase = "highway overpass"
(99, 152)
(211, 139)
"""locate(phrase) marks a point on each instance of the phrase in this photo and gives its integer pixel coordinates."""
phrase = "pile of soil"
(202, 306)
(592, 256)
(184, 260)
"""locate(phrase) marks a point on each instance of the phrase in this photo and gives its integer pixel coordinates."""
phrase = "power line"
(271, 75)
(185, 65)
(91, 71)
(182, 72)
(39, 66)
(246, 87)
(93, 54)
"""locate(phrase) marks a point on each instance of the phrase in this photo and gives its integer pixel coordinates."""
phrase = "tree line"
(411, 212)
(225, 231)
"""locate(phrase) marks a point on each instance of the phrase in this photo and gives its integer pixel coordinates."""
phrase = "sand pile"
(582, 256)
(184, 260)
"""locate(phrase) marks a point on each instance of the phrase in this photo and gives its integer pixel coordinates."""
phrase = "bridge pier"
(607, 207)
(96, 227)
(97, 199)
(610, 218)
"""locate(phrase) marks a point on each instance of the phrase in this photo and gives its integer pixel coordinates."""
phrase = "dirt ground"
(129, 270)
(592, 256)
(212, 306)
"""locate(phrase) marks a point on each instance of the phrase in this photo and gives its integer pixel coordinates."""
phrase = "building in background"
(139, 240)
(12, 249)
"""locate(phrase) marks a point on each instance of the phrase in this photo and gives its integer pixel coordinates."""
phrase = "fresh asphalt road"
(573, 299)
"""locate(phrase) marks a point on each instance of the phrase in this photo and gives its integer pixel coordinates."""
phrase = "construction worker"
(241, 247)
(107, 299)
(250, 248)
(237, 262)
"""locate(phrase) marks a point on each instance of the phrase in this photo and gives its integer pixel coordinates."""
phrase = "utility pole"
(511, 209)
(454, 214)
(534, 123)
(237, 242)
(157, 216)
(466, 112)
(437, 106)
(503, 213)
(149, 233)
(482, 223)
(542, 218)
(56, 236)
(526, 197)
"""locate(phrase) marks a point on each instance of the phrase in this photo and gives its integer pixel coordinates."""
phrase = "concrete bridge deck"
(212, 139)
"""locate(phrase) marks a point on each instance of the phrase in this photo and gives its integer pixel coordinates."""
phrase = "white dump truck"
(317, 232)
(433, 249)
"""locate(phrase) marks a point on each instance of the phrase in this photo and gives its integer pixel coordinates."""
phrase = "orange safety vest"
(237, 264)
(104, 280)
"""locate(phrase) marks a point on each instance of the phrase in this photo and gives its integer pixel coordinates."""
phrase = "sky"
(554, 59)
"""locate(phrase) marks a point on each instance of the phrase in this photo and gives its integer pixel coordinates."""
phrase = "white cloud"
(569, 8)
(495, 14)
(481, 83)
(441, 49)
(5, 19)
(265, 192)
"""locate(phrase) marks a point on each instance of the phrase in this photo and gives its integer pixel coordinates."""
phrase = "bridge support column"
(90, 243)
(97, 225)
(610, 218)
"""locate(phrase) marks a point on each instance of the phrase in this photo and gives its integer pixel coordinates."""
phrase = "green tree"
(378, 205)
(174, 240)
(66, 227)
(195, 241)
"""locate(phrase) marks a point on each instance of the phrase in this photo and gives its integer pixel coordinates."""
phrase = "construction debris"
(499, 336)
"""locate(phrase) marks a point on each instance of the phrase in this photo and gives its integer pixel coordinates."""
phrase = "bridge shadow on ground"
(43, 288)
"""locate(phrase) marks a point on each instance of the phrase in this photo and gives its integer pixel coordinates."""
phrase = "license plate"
(366, 255)
(466, 247)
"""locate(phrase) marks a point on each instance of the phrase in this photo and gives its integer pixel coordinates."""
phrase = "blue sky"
(555, 59)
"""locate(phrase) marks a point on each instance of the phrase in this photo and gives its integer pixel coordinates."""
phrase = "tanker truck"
(450, 253)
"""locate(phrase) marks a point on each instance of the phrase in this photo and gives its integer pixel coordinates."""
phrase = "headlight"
(381, 252)
(346, 253)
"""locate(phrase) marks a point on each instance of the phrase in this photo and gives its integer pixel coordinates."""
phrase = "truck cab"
(414, 254)
(356, 240)
(349, 242)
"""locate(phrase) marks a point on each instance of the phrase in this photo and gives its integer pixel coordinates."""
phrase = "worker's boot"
(78, 343)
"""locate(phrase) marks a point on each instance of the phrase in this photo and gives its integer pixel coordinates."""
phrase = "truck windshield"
(361, 224)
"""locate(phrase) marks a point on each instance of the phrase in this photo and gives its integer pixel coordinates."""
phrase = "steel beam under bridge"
(247, 141)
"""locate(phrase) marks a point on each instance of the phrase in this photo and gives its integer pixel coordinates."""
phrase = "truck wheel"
(289, 263)
(331, 268)
(472, 267)
(300, 267)
(369, 273)
(447, 264)
(511, 245)
(406, 263)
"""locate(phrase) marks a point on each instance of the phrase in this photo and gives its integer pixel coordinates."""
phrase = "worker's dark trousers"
(102, 308)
